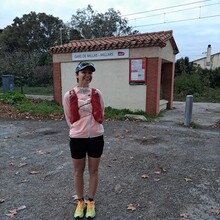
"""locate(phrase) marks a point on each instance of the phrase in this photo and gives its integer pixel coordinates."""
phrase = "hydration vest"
(97, 110)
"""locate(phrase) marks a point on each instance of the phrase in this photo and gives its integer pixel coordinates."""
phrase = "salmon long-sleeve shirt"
(86, 126)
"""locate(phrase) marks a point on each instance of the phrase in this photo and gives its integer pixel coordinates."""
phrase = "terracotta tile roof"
(119, 42)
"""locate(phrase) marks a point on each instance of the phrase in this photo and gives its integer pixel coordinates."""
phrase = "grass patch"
(193, 125)
(19, 104)
(22, 105)
(39, 108)
(46, 108)
(112, 113)
(119, 114)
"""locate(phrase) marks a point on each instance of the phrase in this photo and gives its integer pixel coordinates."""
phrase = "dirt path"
(164, 170)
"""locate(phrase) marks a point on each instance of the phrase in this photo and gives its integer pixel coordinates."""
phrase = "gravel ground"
(149, 170)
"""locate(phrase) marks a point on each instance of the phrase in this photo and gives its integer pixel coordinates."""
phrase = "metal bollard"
(188, 110)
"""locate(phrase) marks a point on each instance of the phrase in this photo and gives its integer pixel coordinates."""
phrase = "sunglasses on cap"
(81, 66)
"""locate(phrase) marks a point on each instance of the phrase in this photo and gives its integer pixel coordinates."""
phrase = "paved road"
(182, 165)
(204, 114)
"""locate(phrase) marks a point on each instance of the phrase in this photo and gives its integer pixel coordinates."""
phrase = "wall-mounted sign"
(101, 55)
(137, 70)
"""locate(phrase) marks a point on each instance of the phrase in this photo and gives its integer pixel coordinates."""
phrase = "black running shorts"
(93, 147)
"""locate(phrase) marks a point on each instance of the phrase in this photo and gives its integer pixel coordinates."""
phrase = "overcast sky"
(195, 23)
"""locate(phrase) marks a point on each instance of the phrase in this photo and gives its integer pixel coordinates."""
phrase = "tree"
(183, 66)
(32, 32)
(72, 34)
(24, 45)
(94, 25)
(20, 63)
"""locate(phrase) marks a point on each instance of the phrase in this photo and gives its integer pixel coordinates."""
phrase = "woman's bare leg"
(78, 173)
(93, 167)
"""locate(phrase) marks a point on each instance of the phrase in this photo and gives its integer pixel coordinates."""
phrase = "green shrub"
(12, 97)
(215, 78)
(208, 95)
(188, 84)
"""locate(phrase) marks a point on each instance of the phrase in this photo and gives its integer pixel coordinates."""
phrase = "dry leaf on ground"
(131, 207)
(215, 211)
(145, 176)
(22, 165)
(34, 172)
(21, 208)
(13, 212)
(184, 215)
(188, 179)
(163, 169)
(75, 197)
(24, 158)
(40, 152)
(24, 181)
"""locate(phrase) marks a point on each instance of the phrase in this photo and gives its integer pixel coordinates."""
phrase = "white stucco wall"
(201, 63)
(167, 53)
(215, 62)
(112, 78)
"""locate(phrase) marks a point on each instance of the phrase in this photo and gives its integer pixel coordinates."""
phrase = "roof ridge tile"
(148, 39)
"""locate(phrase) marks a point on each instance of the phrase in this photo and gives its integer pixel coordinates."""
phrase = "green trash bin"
(8, 83)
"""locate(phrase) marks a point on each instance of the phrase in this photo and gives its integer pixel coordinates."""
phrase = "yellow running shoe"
(90, 212)
(79, 213)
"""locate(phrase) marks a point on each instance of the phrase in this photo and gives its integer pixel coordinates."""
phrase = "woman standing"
(84, 112)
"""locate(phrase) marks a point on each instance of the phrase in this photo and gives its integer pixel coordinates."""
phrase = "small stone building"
(135, 72)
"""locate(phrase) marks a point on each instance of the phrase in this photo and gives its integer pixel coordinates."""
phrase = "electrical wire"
(175, 6)
(175, 11)
(169, 12)
(168, 22)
